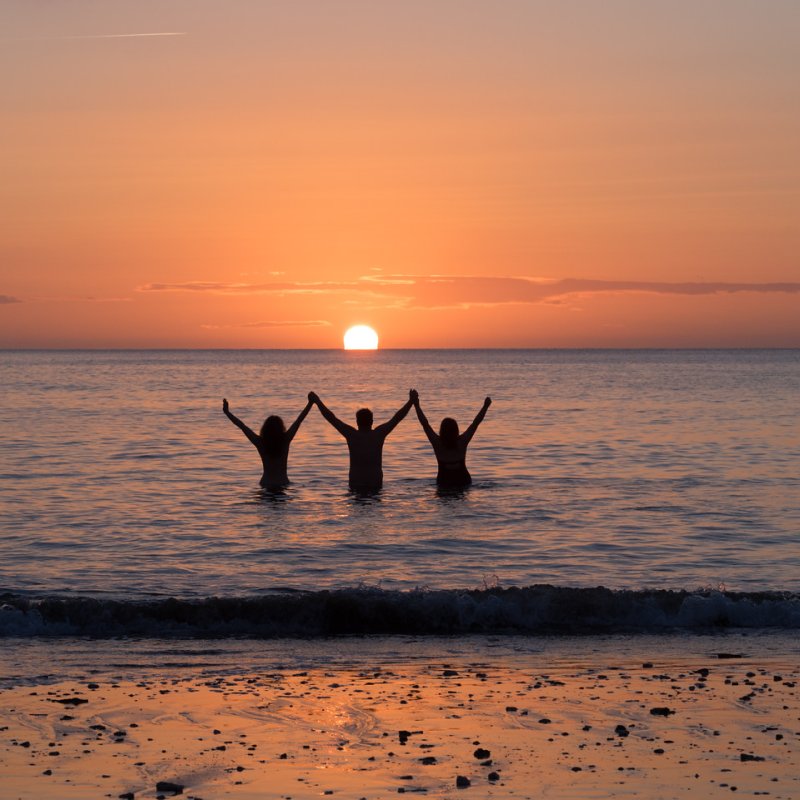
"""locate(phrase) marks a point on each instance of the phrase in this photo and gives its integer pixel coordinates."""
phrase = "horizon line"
(384, 349)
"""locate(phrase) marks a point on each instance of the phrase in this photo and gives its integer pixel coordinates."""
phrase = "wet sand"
(476, 725)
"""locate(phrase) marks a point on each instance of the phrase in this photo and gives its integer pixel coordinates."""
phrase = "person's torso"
(275, 467)
(366, 457)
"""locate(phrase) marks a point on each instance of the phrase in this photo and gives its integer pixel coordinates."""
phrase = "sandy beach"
(573, 723)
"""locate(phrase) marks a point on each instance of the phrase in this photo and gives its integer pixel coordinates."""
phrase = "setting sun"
(360, 337)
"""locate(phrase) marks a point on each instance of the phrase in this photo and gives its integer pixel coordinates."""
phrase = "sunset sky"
(454, 173)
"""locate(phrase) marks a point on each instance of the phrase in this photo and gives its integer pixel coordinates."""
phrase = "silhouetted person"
(450, 447)
(272, 443)
(365, 443)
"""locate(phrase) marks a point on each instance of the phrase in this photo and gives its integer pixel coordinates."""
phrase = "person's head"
(364, 418)
(448, 432)
(273, 434)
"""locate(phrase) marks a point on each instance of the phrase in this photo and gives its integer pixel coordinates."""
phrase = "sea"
(629, 492)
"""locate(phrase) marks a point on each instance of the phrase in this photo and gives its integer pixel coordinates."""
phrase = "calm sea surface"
(120, 475)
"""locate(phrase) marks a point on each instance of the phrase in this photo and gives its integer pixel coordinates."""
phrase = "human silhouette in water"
(364, 442)
(450, 447)
(272, 443)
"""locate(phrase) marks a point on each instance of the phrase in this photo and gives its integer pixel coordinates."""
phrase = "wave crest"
(531, 610)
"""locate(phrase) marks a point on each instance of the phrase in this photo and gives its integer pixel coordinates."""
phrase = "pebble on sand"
(168, 786)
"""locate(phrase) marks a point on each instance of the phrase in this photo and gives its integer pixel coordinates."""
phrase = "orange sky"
(455, 174)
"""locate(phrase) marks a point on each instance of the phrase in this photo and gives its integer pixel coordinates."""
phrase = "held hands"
(313, 397)
(413, 397)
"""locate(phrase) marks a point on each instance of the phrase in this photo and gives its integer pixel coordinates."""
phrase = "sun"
(360, 337)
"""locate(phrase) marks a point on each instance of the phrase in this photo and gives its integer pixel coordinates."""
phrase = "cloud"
(7, 299)
(272, 287)
(274, 323)
(443, 291)
(91, 299)
(79, 299)
(248, 288)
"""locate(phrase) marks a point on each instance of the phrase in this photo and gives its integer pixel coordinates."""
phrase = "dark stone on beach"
(586, 727)
(493, 776)
(25, 744)
(449, 673)
(97, 727)
(487, 763)
(704, 671)
(750, 757)
(729, 655)
(66, 718)
(47, 772)
(647, 665)
(621, 730)
(427, 760)
(661, 711)
(94, 686)
(511, 709)
(462, 782)
(127, 796)
(481, 753)
(283, 756)
(659, 751)
(72, 701)
(168, 786)
(544, 721)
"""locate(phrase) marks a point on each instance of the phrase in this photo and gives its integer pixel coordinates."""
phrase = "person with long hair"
(450, 446)
(272, 443)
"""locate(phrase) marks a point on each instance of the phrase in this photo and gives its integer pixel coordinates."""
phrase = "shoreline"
(679, 716)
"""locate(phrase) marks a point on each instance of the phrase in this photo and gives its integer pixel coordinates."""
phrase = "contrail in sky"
(104, 36)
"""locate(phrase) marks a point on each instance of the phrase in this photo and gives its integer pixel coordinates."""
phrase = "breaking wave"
(532, 610)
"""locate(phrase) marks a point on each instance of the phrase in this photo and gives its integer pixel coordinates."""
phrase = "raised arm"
(251, 435)
(389, 426)
(426, 426)
(340, 426)
(470, 432)
(295, 426)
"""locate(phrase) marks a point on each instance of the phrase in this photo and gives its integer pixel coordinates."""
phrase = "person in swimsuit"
(272, 443)
(450, 447)
(365, 443)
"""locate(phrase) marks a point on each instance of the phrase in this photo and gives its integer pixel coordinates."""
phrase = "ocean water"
(130, 505)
